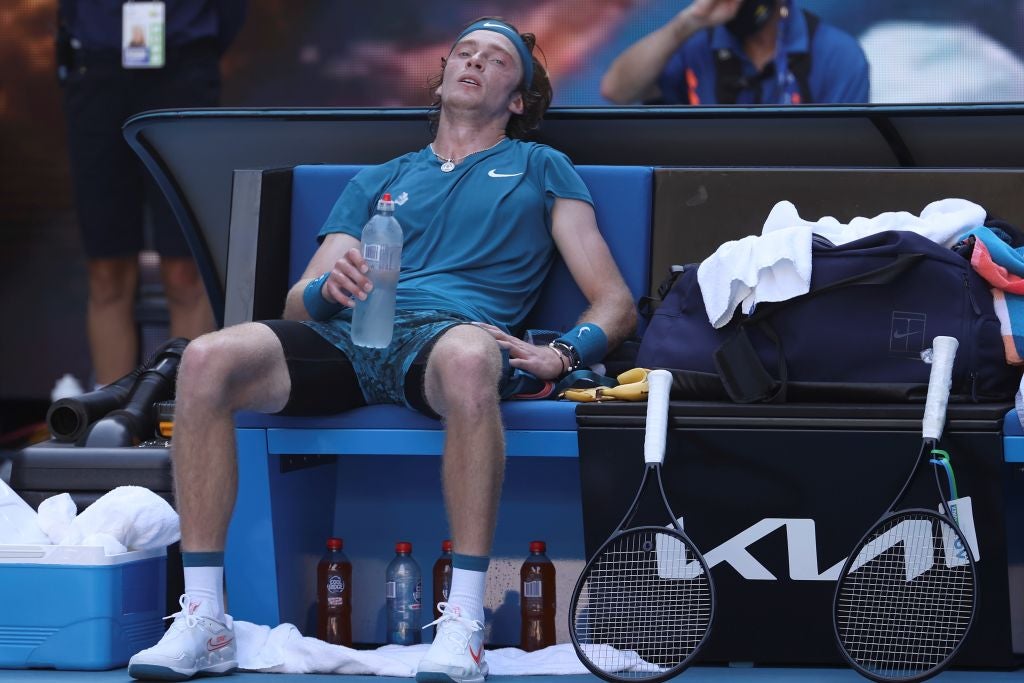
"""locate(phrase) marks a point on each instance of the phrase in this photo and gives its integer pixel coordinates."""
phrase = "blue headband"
(504, 29)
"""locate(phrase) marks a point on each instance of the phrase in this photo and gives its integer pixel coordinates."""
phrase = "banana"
(580, 395)
(634, 375)
(635, 391)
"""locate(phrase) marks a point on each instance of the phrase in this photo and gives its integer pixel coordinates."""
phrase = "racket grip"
(939, 381)
(659, 382)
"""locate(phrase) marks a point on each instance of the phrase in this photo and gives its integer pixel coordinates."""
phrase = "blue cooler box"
(72, 607)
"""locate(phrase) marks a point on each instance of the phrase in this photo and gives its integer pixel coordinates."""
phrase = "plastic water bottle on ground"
(403, 592)
(373, 320)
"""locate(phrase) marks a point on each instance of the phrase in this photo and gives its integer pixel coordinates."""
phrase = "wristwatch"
(569, 351)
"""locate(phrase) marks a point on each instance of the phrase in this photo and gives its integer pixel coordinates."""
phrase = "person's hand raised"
(711, 13)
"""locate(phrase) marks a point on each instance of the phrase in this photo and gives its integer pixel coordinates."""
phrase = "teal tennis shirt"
(477, 240)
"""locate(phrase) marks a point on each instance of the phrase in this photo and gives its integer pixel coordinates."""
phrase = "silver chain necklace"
(448, 164)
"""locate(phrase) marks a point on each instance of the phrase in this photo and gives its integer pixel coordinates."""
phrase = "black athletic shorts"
(323, 379)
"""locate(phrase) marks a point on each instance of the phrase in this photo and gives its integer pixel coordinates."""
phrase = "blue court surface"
(697, 674)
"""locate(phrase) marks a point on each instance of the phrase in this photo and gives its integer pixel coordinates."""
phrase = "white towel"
(283, 649)
(771, 267)
(56, 514)
(776, 265)
(19, 523)
(130, 517)
(942, 222)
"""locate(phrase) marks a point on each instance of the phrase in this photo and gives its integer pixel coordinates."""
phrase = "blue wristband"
(589, 341)
(316, 305)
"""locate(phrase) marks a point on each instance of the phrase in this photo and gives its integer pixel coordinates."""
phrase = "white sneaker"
(194, 644)
(457, 653)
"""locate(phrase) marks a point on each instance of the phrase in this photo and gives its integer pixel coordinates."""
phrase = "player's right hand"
(348, 281)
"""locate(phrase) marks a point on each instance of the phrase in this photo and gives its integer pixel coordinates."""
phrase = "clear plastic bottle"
(373, 320)
(442, 576)
(334, 596)
(537, 599)
(403, 592)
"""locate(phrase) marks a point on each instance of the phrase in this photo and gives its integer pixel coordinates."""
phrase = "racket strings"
(645, 605)
(907, 601)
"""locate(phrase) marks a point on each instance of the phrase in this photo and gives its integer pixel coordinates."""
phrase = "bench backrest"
(622, 200)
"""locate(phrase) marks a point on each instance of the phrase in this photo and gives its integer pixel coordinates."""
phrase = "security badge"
(142, 35)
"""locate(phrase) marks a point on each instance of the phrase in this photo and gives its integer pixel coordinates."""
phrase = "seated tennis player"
(483, 214)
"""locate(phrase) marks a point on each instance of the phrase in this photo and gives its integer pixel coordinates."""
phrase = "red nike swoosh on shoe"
(218, 643)
(478, 655)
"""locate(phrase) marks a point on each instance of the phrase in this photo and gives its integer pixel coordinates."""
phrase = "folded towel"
(1002, 266)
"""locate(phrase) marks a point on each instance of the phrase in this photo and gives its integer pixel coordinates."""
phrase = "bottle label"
(335, 601)
(382, 256)
(389, 590)
(533, 589)
(335, 584)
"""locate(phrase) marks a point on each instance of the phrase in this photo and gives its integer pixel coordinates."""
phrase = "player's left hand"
(543, 362)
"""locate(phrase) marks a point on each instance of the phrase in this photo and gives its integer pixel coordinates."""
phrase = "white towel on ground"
(283, 649)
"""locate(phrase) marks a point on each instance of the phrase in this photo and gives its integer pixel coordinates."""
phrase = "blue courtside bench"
(287, 478)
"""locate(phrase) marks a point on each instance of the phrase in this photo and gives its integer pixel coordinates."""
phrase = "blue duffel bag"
(861, 334)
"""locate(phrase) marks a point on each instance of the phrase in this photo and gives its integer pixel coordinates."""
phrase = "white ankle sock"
(468, 592)
(205, 585)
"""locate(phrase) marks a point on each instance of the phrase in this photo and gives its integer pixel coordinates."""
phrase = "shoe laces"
(191, 620)
(451, 617)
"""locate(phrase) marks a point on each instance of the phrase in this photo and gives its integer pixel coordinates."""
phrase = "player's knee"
(206, 368)
(469, 373)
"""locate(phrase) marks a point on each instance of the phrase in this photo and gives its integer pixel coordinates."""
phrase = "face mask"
(752, 15)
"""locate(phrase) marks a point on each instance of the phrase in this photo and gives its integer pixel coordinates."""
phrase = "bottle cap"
(403, 547)
(446, 546)
(335, 543)
(538, 546)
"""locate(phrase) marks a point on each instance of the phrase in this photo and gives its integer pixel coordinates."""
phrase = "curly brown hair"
(536, 97)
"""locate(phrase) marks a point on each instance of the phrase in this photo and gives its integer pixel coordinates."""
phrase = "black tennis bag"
(858, 335)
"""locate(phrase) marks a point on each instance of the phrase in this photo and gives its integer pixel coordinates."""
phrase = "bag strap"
(744, 376)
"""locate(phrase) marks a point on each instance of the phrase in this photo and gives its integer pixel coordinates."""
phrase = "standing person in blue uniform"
(740, 52)
(484, 214)
(117, 59)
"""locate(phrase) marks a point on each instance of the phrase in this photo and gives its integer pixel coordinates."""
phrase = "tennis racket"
(907, 594)
(643, 606)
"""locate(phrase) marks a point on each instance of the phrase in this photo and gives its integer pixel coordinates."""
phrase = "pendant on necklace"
(448, 166)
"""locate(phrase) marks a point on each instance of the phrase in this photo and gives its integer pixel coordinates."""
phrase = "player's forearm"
(294, 309)
(615, 314)
(634, 74)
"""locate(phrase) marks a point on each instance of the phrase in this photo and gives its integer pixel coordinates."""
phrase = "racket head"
(643, 606)
(906, 597)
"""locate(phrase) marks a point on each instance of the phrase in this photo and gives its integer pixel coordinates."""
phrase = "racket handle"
(658, 384)
(943, 354)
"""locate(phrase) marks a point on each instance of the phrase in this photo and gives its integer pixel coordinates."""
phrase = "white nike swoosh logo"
(494, 174)
(489, 24)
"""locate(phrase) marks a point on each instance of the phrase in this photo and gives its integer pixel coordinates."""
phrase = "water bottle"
(373, 320)
(537, 599)
(403, 593)
(334, 596)
(442, 576)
